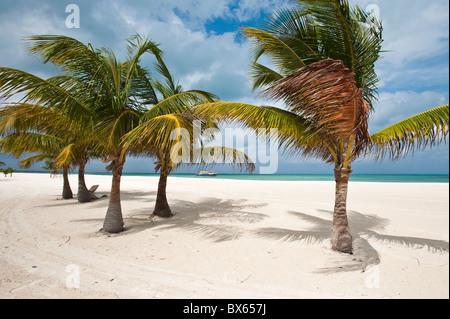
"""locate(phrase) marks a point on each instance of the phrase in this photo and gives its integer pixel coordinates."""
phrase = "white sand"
(228, 239)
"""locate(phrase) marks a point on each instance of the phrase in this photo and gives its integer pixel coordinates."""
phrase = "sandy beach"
(228, 239)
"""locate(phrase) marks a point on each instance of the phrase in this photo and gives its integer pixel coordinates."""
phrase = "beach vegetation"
(166, 132)
(322, 56)
(7, 171)
(101, 107)
(47, 133)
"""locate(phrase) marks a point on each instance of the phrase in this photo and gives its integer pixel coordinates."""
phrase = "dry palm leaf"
(326, 94)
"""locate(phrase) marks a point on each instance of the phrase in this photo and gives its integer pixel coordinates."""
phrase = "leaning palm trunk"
(162, 208)
(67, 191)
(83, 195)
(341, 239)
(113, 222)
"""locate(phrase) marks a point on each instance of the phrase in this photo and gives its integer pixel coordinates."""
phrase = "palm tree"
(7, 171)
(50, 165)
(107, 98)
(324, 52)
(168, 124)
(20, 143)
(119, 92)
(40, 129)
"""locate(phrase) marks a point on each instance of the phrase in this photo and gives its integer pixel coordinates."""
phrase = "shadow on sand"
(363, 228)
(222, 220)
(215, 219)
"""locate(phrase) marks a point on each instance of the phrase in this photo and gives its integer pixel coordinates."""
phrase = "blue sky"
(204, 50)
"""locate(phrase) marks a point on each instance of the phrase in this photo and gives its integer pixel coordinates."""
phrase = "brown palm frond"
(326, 94)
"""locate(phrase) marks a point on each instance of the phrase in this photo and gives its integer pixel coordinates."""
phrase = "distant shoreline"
(376, 178)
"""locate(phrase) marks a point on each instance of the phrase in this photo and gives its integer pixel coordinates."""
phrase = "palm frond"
(325, 93)
(30, 160)
(292, 130)
(158, 133)
(137, 46)
(19, 143)
(178, 103)
(263, 76)
(282, 55)
(67, 53)
(25, 117)
(314, 30)
(417, 132)
(67, 156)
(168, 87)
(42, 92)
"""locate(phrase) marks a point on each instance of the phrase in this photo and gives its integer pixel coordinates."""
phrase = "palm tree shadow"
(215, 219)
(363, 227)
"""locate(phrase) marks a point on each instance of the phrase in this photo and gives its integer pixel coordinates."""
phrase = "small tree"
(7, 171)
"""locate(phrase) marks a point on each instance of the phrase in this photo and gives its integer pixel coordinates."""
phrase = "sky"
(204, 50)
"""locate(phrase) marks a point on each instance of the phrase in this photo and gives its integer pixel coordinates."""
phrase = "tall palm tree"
(323, 54)
(170, 123)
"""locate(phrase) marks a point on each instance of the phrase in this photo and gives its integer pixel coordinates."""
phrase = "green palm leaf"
(178, 103)
(262, 76)
(314, 30)
(19, 143)
(30, 160)
(157, 134)
(417, 132)
(283, 56)
(42, 92)
(292, 130)
(67, 53)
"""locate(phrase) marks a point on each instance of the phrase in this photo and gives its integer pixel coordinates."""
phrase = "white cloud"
(416, 31)
(397, 106)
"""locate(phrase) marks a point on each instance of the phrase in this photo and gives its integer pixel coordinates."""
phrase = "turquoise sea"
(379, 178)
(319, 177)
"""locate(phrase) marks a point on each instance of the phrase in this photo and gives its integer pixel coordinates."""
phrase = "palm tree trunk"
(83, 195)
(113, 222)
(162, 208)
(67, 191)
(341, 239)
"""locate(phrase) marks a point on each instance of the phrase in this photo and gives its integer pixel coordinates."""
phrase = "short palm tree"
(7, 171)
(46, 131)
(168, 128)
(19, 143)
(324, 54)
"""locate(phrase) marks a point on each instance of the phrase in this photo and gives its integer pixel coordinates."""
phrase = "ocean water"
(318, 177)
(378, 178)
